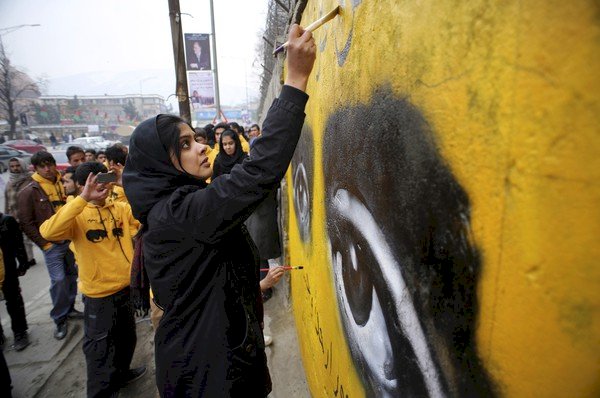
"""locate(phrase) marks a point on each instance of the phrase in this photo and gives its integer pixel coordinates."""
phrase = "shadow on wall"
(405, 269)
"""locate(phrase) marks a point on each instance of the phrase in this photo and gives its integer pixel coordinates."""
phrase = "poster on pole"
(197, 50)
(201, 89)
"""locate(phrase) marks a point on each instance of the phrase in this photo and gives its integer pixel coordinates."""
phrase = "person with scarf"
(230, 153)
(38, 201)
(200, 260)
(18, 177)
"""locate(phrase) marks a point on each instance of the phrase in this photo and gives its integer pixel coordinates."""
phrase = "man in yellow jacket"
(38, 200)
(101, 232)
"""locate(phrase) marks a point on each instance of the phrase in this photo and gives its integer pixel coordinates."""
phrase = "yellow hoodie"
(102, 237)
(54, 190)
(117, 194)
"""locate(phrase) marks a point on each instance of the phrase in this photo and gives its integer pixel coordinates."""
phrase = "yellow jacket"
(117, 194)
(245, 145)
(102, 237)
(54, 190)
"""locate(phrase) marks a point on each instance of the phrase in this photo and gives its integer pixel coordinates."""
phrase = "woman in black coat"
(199, 258)
(230, 153)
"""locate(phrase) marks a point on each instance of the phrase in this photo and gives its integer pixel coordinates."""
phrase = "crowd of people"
(181, 224)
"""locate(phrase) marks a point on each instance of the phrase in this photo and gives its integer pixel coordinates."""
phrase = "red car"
(25, 145)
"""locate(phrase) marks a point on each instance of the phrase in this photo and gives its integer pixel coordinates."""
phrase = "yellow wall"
(510, 91)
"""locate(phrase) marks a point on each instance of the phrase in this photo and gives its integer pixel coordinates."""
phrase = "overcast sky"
(104, 38)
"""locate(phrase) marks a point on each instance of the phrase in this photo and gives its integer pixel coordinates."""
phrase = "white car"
(91, 143)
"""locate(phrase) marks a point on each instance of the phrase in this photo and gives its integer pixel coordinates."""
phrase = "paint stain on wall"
(404, 267)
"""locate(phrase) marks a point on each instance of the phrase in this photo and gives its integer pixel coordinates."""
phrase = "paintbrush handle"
(312, 27)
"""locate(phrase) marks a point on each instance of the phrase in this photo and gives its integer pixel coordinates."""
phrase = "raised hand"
(301, 54)
(92, 191)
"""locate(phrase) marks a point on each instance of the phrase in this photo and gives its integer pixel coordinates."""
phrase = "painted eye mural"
(302, 180)
(405, 270)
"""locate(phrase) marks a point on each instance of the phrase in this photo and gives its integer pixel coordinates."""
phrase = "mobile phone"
(105, 178)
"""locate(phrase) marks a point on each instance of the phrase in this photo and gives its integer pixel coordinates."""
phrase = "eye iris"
(357, 280)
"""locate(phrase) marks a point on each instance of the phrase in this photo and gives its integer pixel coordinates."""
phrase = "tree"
(17, 92)
(131, 111)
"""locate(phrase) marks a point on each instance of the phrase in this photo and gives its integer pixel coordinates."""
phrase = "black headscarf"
(149, 175)
(224, 163)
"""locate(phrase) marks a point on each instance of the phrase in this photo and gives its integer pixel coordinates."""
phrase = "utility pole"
(216, 70)
(179, 56)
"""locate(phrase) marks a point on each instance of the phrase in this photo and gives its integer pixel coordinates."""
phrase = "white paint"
(371, 340)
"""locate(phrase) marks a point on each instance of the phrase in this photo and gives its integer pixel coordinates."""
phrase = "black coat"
(201, 262)
(264, 229)
(11, 242)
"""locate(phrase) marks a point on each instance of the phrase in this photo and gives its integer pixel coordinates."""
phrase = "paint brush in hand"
(312, 27)
(285, 268)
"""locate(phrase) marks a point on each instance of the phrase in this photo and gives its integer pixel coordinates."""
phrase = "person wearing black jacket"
(13, 250)
(200, 260)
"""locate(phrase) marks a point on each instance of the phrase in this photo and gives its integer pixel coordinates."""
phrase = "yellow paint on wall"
(511, 90)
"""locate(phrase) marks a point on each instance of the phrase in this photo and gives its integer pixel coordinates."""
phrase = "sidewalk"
(51, 368)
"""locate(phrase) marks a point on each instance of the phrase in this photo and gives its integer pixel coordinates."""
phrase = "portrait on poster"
(201, 89)
(197, 49)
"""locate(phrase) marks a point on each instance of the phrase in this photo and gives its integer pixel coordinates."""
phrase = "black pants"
(5, 381)
(14, 302)
(109, 341)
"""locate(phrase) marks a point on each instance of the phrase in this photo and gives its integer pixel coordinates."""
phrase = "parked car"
(97, 143)
(25, 145)
(7, 153)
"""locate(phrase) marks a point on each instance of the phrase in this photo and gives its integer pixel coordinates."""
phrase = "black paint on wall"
(383, 155)
(302, 183)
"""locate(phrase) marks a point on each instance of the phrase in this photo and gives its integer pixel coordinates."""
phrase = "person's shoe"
(74, 314)
(61, 331)
(268, 340)
(132, 375)
(21, 341)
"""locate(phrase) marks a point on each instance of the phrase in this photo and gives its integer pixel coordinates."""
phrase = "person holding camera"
(101, 232)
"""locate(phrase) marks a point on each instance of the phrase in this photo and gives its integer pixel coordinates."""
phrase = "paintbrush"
(312, 27)
(286, 268)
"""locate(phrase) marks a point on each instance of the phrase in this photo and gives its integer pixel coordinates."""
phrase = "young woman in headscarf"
(209, 341)
(230, 153)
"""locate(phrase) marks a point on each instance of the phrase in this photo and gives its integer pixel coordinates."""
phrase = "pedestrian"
(18, 177)
(101, 158)
(253, 134)
(90, 155)
(240, 131)
(199, 258)
(116, 156)
(75, 155)
(53, 140)
(5, 380)
(38, 201)
(13, 250)
(230, 153)
(101, 233)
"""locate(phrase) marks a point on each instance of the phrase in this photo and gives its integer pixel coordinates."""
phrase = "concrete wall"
(444, 200)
